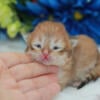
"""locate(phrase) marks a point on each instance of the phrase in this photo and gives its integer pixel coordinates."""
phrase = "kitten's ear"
(25, 37)
(73, 42)
(28, 42)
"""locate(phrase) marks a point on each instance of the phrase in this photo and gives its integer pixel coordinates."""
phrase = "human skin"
(23, 79)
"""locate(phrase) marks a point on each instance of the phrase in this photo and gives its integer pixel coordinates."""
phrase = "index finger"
(28, 71)
(11, 59)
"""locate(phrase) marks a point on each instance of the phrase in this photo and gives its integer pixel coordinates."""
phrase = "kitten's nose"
(45, 54)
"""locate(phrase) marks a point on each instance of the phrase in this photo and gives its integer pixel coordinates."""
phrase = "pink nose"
(45, 56)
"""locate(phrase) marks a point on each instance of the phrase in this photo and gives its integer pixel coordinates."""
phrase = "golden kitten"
(50, 44)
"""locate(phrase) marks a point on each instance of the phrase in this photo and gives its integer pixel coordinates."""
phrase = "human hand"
(22, 79)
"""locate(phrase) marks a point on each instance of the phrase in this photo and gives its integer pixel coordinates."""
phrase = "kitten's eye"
(38, 45)
(56, 48)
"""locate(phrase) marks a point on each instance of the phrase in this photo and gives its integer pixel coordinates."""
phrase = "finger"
(46, 93)
(11, 59)
(36, 83)
(26, 71)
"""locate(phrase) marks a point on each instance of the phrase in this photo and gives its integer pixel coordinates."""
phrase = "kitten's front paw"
(76, 84)
(85, 81)
(79, 84)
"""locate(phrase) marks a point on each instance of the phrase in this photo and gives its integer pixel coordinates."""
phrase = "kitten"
(50, 45)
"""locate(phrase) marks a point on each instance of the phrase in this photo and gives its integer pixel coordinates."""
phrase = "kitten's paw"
(82, 85)
(76, 84)
(79, 83)
(85, 81)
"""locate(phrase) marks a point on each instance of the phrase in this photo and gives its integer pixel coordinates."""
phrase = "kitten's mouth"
(44, 61)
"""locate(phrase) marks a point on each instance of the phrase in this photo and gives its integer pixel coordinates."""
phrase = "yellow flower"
(78, 16)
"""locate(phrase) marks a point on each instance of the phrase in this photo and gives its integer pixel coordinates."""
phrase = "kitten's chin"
(45, 62)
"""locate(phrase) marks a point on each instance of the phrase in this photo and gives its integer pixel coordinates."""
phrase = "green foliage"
(6, 2)
(9, 19)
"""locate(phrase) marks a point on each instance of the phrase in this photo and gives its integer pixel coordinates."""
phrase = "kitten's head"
(49, 44)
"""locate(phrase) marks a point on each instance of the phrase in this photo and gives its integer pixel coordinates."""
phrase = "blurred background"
(19, 17)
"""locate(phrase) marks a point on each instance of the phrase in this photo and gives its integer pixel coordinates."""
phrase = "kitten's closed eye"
(36, 46)
(57, 48)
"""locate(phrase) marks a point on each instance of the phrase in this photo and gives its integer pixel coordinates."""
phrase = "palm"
(16, 89)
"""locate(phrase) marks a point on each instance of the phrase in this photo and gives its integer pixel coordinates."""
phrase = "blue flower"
(78, 16)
